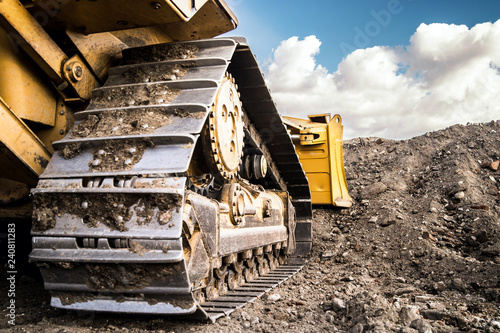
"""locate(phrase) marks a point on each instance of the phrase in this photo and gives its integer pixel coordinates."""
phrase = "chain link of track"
(238, 283)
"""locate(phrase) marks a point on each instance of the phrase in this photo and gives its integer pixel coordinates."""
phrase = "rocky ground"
(419, 251)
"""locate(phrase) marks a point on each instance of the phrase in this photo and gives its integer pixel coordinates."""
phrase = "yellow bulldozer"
(149, 157)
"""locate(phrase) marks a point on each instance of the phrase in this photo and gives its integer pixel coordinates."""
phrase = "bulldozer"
(148, 157)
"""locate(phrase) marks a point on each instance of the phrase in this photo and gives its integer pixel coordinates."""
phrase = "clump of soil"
(182, 113)
(111, 210)
(160, 53)
(137, 248)
(44, 215)
(137, 95)
(157, 72)
(121, 122)
(118, 155)
(127, 276)
(71, 150)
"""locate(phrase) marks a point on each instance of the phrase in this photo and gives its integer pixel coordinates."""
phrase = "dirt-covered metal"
(124, 221)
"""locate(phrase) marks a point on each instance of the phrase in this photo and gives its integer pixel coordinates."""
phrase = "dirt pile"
(419, 251)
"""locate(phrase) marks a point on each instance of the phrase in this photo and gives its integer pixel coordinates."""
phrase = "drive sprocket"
(225, 131)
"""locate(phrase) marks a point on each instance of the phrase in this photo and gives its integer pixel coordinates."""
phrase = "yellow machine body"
(54, 53)
(318, 143)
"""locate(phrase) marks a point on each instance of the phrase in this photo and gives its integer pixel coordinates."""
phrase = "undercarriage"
(177, 191)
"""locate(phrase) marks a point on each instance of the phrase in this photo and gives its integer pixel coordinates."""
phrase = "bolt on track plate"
(246, 293)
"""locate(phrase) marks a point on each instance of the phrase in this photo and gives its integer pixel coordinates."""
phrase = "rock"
(245, 316)
(387, 221)
(495, 324)
(436, 306)
(373, 190)
(327, 255)
(428, 235)
(406, 290)
(432, 314)
(440, 286)
(408, 315)
(492, 250)
(482, 236)
(458, 284)
(459, 195)
(455, 188)
(421, 325)
(273, 297)
(494, 166)
(419, 253)
(407, 330)
(338, 304)
(423, 298)
(448, 218)
(358, 328)
(373, 219)
(492, 190)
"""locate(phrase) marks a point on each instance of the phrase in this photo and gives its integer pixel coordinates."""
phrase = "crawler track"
(126, 222)
(248, 292)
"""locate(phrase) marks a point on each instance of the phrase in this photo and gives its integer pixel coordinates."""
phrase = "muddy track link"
(234, 299)
(115, 228)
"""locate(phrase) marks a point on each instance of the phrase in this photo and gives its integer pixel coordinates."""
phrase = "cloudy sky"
(391, 68)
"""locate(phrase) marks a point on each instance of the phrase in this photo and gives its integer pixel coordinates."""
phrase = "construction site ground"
(419, 251)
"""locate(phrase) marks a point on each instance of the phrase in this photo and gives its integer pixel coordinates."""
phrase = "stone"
(482, 236)
(495, 324)
(492, 250)
(428, 235)
(358, 328)
(407, 315)
(327, 255)
(421, 325)
(492, 190)
(440, 286)
(458, 187)
(448, 218)
(494, 166)
(338, 304)
(273, 297)
(403, 291)
(373, 190)
(432, 314)
(407, 330)
(459, 195)
(387, 221)
(423, 298)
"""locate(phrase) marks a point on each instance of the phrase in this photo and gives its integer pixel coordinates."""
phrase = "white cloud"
(448, 74)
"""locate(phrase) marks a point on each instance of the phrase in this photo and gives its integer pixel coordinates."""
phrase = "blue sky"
(391, 68)
(265, 23)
